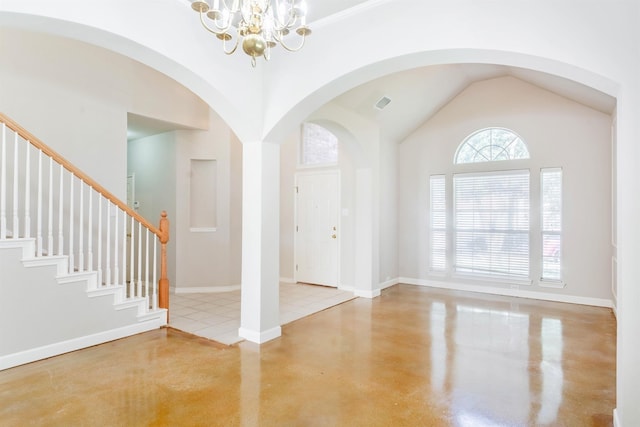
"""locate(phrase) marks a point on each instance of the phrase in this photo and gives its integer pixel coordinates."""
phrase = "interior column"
(260, 312)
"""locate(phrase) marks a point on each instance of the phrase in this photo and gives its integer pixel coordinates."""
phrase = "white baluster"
(146, 270)
(39, 207)
(71, 207)
(90, 233)
(100, 240)
(81, 229)
(107, 264)
(16, 179)
(3, 184)
(50, 218)
(116, 253)
(132, 240)
(155, 272)
(139, 260)
(27, 192)
(124, 248)
(61, 213)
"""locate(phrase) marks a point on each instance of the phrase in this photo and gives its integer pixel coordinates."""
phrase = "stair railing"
(78, 218)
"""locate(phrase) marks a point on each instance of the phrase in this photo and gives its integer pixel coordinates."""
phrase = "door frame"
(297, 174)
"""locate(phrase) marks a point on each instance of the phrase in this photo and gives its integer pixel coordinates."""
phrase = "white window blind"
(551, 200)
(438, 217)
(492, 223)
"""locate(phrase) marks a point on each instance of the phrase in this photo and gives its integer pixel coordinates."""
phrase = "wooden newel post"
(163, 285)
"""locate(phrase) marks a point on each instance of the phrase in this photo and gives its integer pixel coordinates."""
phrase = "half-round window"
(491, 145)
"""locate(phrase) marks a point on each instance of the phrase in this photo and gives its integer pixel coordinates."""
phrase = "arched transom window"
(318, 146)
(492, 144)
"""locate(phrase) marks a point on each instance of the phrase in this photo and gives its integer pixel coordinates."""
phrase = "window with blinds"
(491, 223)
(438, 216)
(551, 223)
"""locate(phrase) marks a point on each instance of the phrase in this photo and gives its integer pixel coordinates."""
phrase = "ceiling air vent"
(382, 102)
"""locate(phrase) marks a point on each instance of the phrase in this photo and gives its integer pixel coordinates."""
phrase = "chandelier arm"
(218, 31)
(290, 49)
(290, 21)
(224, 47)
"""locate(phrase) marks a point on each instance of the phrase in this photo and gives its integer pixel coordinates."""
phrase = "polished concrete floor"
(412, 357)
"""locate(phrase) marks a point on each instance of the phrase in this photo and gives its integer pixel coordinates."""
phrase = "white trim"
(260, 337)
(202, 229)
(552, 284)
(55, 349)
(493, 279)
(389, 283)
(287, 280)
(616, 419)
(598, 302)
(204, 289)
(367, 293)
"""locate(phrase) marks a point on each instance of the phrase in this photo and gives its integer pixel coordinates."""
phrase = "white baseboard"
(56, 349)
(260, 337)
(367, 293)
(616, 420)
(389, 283)
(287, 280)
(521, 293)
(204, 289)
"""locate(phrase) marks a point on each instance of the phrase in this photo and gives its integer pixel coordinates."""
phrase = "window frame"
(547, 281)
(467, 142)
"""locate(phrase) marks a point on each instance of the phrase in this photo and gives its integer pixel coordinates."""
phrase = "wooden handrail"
(162, 231)
(26, 135)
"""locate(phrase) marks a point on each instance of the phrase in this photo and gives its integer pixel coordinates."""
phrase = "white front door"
(316, 229)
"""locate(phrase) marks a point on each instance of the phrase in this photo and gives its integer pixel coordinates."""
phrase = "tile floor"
(217, 315)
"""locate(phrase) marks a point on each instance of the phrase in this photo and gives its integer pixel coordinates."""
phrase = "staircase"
(77, 266)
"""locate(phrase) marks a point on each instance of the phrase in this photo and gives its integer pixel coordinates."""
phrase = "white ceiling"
(319, 9)
(417, 94)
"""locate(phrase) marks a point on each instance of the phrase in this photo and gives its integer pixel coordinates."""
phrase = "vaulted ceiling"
(417, 94)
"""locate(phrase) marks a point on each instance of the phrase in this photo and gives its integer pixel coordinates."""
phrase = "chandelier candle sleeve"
(260, 24)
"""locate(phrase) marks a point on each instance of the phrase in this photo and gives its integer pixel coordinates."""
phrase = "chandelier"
(261, 24)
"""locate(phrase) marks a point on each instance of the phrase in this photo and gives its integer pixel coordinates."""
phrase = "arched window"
(318, 146)
(490, 145)
(488, 221)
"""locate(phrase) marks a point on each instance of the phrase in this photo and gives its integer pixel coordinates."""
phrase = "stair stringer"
(44, 311)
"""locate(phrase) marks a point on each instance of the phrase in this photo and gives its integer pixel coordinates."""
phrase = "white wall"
(75, 97)
(558, 132)
(44, 323)
(388, 208)
(152, 161)
(289, 167)
(360, 148)
(199, 260)
(209, 259)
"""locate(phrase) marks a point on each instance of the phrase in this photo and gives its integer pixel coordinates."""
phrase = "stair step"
(91, 277)
(104, 290)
